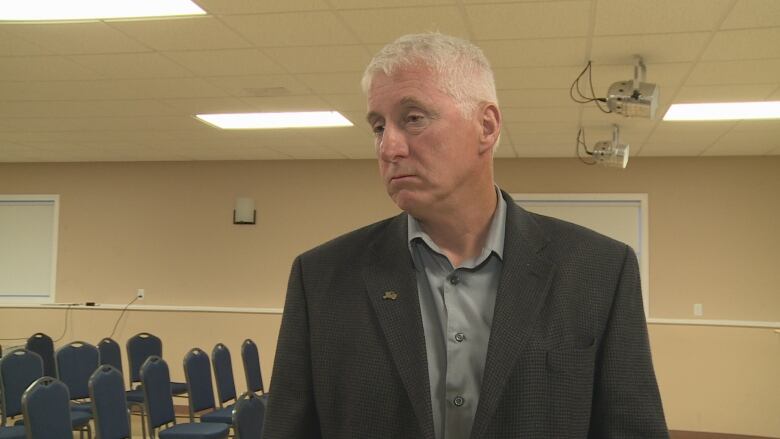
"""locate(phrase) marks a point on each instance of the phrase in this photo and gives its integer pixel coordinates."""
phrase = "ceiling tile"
(226, 62)
(529, 20)
(207, 105)
(131, 65)
(657, 48)
(149, 123)
(746, 142)
(765, 71)
(549, 52)
(744, 44)
(76, 38)
(347, 102)
(382, 26)
(557, 114)
(650, 149)
(146, 107)
(690, 133)
(521, 129)
(11, 45)
(38, 68)
(626, 17)
(753, 13)
(288, 103)
(227, 7)
(525, 98)
(665, 75)
(108, 89)
(199, 33)
(260, 85)
(292, 29)
(723, 93)
(322, 59)
(333, 83)
(535, 77)
(365, 4)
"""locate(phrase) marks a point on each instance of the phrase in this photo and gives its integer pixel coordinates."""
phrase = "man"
(465, 316)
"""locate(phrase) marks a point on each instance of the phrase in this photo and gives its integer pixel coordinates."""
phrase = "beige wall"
(166, 227)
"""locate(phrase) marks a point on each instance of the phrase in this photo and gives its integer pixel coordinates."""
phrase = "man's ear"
(490, 127)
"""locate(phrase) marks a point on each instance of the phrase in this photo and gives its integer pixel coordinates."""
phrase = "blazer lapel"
(392, 289)
(525, 281)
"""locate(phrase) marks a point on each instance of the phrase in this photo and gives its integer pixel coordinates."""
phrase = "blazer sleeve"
(626, 401)
(291, 412)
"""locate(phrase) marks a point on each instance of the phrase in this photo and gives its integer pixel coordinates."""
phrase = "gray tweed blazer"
(568, 355)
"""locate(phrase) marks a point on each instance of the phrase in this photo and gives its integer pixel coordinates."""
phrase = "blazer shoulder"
(349, 245)
(567, 237)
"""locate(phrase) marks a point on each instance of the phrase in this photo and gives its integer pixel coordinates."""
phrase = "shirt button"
(459, 337)
(454, 279)
(458, 401)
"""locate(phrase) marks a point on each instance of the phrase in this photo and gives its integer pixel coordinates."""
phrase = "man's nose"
(393, 144)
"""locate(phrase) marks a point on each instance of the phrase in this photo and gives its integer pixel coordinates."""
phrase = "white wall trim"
(149, 308)
(278, 311)
(702, 322)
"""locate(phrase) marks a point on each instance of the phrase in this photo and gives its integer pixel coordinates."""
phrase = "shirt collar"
(493, 244)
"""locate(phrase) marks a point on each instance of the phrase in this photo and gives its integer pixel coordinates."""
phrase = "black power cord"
(580, 97)
(120, 316)
(581, 142)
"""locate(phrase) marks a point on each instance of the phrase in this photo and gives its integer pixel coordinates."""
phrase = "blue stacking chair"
(111, 354)
(254, 376)
(109, 405)
(156, 381)
(248, 416)
(75, 363)
(46, 408)
(18, 369)
(197, 370)
(223, 375)
(42, 345)
(140, 347)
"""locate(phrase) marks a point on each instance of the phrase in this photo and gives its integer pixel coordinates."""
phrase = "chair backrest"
(76, 361)
(46, 408)
(248, 416)
(158, 402)
(140, 347)
(110, 353)
(197, 372)
(107, 391)
(223, 373)
(42, 345)
(251, 359)
(18, 369)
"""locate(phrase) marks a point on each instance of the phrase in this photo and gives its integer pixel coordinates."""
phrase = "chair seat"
(178, 388)
(135, 395)
(79, 418)
(197, 430)
(224, 416)
(81, 408)
(15, 432)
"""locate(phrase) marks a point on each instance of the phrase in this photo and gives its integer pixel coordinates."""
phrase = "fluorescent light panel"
(52, 10)
(724, 111)
(245, 121)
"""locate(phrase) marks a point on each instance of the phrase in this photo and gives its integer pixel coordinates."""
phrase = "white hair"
(463, 71)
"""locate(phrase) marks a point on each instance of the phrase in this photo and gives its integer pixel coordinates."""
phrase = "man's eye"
(415, 118)
(378, 129)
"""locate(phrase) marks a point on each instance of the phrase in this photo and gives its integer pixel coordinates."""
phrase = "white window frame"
(50, 298)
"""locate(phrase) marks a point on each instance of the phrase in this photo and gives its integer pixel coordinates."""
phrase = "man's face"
(428, 152)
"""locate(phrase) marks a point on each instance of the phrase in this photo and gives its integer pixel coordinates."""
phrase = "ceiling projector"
(634, 98)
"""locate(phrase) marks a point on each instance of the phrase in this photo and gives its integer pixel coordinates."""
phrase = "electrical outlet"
(141, 293)
(698, 309)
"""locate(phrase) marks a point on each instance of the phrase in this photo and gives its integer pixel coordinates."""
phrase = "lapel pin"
(390, 295)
